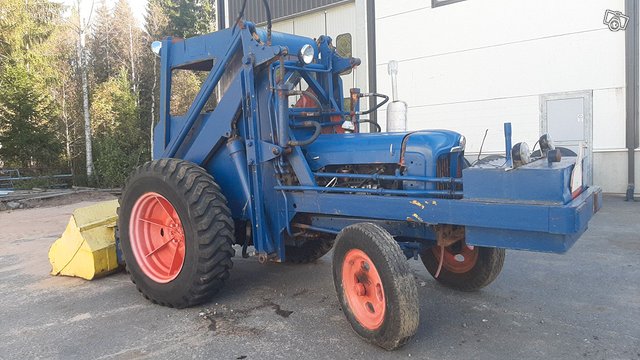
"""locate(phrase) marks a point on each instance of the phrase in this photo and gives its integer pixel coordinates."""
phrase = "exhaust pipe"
(397, 109)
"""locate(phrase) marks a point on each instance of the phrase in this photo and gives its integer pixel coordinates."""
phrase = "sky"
(138, 7)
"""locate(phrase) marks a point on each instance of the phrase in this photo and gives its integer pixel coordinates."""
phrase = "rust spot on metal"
(447, 235)
(417, 203)
(417, 217)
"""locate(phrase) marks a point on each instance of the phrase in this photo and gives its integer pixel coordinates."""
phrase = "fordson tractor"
(270, 155)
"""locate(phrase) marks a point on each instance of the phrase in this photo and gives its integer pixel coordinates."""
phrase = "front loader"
(279, 163)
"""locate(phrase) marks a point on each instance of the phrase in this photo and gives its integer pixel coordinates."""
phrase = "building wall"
(256, 12)
(475, 64)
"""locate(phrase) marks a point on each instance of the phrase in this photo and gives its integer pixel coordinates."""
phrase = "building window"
(436, 3)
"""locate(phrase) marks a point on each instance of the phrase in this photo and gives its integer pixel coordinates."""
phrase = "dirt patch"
(226, 321)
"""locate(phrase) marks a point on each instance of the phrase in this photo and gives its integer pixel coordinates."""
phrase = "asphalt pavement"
(581, 305)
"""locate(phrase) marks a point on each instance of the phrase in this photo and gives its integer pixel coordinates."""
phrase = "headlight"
(520, 154)
(306, 54)
(156, 46)
(462, 143)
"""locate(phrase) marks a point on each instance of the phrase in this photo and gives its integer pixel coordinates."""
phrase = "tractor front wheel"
(176, 233)
(463, 267)
(375, 286)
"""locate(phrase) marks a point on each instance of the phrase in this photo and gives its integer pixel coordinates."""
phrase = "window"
(185, 85)
(436, 3)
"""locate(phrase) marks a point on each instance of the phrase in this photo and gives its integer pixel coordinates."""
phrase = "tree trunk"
(133, 65)
(85, 94)
(67, 134)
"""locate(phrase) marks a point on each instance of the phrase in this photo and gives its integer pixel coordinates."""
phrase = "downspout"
(371, 56)
(632, 79)
(220, 15)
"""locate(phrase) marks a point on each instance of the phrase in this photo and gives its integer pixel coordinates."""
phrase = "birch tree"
(81, 29)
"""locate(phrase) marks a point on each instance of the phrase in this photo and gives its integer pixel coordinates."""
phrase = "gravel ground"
(582, 305)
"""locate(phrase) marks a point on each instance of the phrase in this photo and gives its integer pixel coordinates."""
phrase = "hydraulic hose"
(307, 124)
(241, 13)
(378, 106)
(268, 11)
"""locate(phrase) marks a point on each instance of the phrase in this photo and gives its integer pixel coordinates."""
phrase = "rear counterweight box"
(538, 182)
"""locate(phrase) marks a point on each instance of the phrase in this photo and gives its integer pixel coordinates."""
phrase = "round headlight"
(520, 154)
(306, 54)
(156, 46)
(462, 143)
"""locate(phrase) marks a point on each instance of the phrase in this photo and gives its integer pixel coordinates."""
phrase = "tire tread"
(213, 225)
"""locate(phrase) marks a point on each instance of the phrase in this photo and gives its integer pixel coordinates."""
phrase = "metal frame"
(372, 72)
(632, 77)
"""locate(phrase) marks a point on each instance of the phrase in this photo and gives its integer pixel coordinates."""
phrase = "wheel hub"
(458, 258)
(157, 237)
(363, 289)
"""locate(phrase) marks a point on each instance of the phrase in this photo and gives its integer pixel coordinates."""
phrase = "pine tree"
(187, 18)
(103, 51)
(28, 113)
(26, 110)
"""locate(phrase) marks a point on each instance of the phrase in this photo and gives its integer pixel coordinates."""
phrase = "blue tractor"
(270, 155)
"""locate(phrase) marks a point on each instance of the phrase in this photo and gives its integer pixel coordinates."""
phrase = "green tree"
(187, 18)
(102, 46)
(27, 137)
(128, 42)
(120, 142)
(25, 27)
(28, 114)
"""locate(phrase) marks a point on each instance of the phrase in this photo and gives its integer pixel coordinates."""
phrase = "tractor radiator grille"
(443, 169)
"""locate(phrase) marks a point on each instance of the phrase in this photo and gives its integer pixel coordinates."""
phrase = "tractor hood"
(380, 148)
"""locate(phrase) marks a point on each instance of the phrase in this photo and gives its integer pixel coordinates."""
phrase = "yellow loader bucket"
(87, 248)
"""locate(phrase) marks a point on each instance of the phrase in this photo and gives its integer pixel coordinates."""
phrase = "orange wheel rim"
(157, 237)
(457, 261)
(363, 289)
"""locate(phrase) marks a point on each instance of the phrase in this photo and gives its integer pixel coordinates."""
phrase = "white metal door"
(567, 117)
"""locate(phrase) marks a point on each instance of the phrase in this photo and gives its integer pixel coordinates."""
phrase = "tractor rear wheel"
(375, 286)
(176, 232)
(464, 267)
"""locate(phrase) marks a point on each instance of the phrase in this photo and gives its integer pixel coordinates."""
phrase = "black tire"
(309, 251)
(401, 317)
(208, 231)
(488, 265)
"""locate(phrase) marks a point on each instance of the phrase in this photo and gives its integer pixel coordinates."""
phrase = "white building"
(471, 65)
